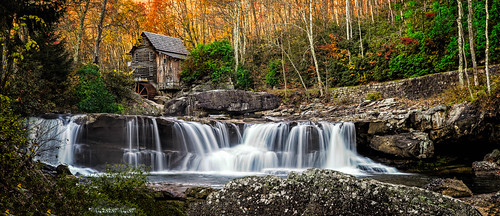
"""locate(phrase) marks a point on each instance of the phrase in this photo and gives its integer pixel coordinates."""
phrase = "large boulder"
(406, 145)
(486, 168)
(489, 166)
(449, 187)
(235, 102)
(325, 192)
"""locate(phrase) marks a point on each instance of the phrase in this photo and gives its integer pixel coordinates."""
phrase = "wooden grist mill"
(156, 62)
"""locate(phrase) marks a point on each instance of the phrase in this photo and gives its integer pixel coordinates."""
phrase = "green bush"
(244, 79)
(214, 61)
(407, 66)
(273, 73)
(92, 93)
(119, 84)
(124, 189)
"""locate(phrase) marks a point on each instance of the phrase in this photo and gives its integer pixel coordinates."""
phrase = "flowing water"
(176, 149)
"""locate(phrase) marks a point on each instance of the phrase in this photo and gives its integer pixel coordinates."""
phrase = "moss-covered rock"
(325, 192)
(449, 187)
(199, 192)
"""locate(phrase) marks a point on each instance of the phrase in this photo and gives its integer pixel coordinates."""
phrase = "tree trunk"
(7, 62)
(390, 9)
(487, 51)
(311, 44)
(295, 68)
(466, 74)
(99, 32)
(245, 24)
(336, 16)
(371, 10)
(236, 35)
(80, 31)
(256, 22)
(347, 19)
(460, 46)
(4, 68)
(471, 43)
(283, 66)
(359, 28)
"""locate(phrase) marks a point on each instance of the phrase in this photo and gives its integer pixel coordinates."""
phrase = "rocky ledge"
(325, 192)
(235, 102)
(406, 129)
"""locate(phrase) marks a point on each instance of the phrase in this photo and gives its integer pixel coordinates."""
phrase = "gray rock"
(407, 145)
(494, 156)
(222, 101)
(63, 170)
(449, 187)
(486, 168)
(325, 192)
(378, 128)
(438, 108)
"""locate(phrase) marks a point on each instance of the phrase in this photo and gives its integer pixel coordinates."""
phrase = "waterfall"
(176, 145)
(58, 141)
(138, 129)
(275, 146)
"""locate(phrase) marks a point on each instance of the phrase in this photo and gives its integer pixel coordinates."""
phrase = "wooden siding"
(166, 70)
(142, 63)
(169, 70)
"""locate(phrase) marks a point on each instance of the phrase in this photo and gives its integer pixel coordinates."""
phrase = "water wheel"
(146, 90)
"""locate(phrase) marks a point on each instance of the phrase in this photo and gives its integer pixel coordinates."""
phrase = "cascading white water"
(159, 155)
(132, 154)
(58, 141)
(278, 145)
(51, 134)
(193, 146)
(137, 130)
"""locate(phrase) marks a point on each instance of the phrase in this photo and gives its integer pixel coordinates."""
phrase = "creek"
(210, 153)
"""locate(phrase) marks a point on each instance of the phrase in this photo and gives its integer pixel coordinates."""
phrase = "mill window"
(150, 70)
(151, 56)
(136, 57)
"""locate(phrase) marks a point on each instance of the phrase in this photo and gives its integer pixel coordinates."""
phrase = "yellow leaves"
(351, 66)
(7, 212)
(35, 18)
(31, 44)
(49, 212)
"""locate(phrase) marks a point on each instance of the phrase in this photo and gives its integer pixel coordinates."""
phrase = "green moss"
(373, 96)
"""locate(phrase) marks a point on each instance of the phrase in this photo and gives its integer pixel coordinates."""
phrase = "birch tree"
(460, 46)
(348, 19)
(487, 69)
(471, 43)
(465, 57)
(236, 34)
(310, 37)
(359, 28)
(391, 12)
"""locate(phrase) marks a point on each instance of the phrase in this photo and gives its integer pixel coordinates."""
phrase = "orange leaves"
(332, 48)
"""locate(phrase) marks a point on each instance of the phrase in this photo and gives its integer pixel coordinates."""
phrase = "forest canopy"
(324, 42)
(254, 44)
